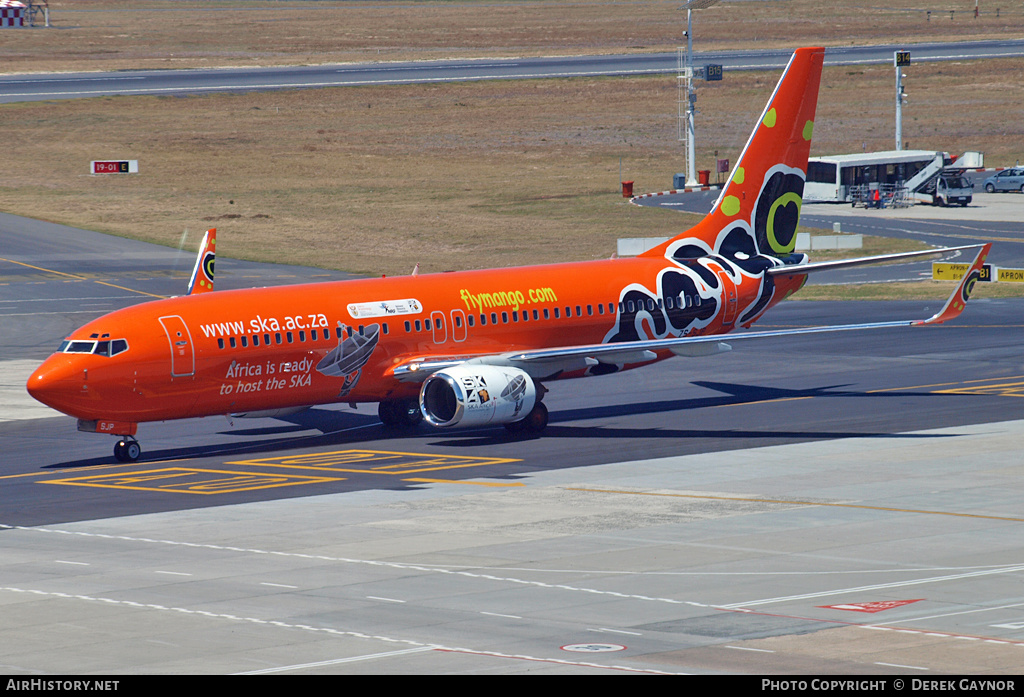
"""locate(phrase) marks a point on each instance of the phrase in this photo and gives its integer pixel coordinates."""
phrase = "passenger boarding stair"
(921, 186)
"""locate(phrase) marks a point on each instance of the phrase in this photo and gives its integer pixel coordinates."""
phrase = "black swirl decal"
(778, 213)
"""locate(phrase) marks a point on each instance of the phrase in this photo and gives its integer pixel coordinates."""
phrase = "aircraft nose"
(56, 382)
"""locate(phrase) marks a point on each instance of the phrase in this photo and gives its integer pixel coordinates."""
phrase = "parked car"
(1007, 180)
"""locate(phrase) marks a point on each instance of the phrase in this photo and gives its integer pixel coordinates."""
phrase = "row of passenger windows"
(503, 317)
(266, 339)
(672, 302)
(103, 346)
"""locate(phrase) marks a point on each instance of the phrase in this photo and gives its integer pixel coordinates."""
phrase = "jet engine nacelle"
(476, 395)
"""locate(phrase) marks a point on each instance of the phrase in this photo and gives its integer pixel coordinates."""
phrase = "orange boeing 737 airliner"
(468, 348)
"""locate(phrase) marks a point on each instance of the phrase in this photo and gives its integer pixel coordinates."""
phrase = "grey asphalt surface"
(28, 87)
(748, 513)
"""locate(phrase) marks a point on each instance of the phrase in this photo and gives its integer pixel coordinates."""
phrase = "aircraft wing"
(547, 362)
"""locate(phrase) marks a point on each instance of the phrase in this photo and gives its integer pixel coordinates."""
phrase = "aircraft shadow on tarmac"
(343, 428)
(566, 443)
(734, 395)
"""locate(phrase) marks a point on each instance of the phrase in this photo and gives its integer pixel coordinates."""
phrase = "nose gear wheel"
(127, 450)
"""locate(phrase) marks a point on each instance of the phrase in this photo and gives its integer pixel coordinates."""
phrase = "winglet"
(958, 300)
(202, 274)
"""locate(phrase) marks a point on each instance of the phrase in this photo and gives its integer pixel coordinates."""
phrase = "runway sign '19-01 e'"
(114, 167)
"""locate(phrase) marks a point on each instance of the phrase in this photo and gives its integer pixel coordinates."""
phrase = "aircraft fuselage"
(272, 348)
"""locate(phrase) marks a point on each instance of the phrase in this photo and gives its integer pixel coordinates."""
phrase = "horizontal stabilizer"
(798, 269)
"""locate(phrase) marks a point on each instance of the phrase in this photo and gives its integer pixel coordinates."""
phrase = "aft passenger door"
(183, 359)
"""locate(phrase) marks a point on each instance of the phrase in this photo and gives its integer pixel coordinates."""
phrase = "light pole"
(688, 105)
(901, 59)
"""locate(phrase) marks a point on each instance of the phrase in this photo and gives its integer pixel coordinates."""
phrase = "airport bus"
(846, 178)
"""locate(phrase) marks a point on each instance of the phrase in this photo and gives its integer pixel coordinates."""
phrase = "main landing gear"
(535, 422)
(400, 413)
(127, 450)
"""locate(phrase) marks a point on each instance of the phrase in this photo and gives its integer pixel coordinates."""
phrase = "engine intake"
(477, 395)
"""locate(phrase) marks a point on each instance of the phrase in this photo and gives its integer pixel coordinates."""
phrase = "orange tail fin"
(764, 192)
(202, 274)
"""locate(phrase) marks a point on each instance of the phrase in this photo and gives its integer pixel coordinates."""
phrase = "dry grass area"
(366, 179)
(123, 34)
(474, 175)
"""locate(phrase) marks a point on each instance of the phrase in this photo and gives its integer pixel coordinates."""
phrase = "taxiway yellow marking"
(40, 268)
(745, 499)
(421, 480)
(81, 278)
(1005, 389)
(981, 389)
(374, 462)
(191, 480)
(762, 401)
(130, 290)
(913, 387)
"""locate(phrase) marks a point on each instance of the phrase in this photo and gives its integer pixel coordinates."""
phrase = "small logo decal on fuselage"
(385, 308)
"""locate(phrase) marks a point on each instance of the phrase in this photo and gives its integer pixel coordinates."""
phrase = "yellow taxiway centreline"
(81, 278)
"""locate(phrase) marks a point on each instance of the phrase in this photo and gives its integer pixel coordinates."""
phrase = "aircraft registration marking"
(192, 480)
(375, 462)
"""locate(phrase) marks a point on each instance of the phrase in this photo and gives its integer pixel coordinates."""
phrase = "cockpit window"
(100, 348)
(80, 347)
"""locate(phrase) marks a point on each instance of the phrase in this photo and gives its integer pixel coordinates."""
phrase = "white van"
(952, 188)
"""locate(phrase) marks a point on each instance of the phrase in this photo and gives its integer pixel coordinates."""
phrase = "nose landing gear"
(127, 450)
